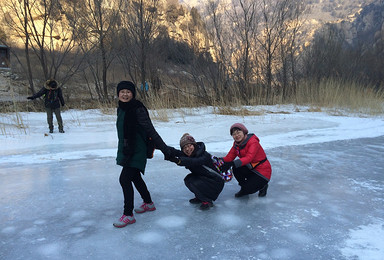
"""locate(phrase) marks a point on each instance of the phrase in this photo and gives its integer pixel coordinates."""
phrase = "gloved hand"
(220, 159)
(174, 159)
(168, 153)
(30, 98)
(225, 167)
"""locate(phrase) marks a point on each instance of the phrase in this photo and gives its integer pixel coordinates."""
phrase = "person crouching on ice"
(204, 180)
(252, 169)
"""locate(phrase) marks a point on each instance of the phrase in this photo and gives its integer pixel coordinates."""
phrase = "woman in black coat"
(134, 128)
(204, 180)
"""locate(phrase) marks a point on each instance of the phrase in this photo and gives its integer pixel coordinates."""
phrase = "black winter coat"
(132, 149)
(52, 97)
(203, 173)
(199, 161)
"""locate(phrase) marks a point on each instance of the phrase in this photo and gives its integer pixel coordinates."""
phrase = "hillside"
(360, 22)
(318, 13)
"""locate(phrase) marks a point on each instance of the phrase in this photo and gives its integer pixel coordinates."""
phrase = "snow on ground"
(96, 132)
(59, 193)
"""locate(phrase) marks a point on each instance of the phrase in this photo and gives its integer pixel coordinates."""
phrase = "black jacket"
(200, 163)
(133, 127)
(145, 122)
(204, 180)
(52, 97)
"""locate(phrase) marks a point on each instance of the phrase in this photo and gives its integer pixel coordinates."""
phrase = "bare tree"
(95, 28)
(244, 21)
(3, 36)
(216, 29)
(16, 18)
(290, 48)
(140, 19)
(275, 15)
(43, 28)
(324, 55)
(223, 47)
(214, 25)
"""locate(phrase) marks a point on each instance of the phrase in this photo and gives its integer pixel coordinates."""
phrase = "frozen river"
(325, 201)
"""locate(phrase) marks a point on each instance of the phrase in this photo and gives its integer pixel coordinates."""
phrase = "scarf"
(130, 122)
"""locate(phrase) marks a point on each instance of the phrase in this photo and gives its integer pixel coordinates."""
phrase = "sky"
(59, 193)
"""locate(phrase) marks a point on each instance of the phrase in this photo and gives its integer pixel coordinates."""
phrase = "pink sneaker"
(145, 207)
(206, 205)
(124, 220)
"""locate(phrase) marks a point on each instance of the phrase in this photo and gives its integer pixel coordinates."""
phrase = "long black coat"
(204, 180)
(144, 128)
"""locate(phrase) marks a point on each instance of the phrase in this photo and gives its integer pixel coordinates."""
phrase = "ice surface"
(59, 194)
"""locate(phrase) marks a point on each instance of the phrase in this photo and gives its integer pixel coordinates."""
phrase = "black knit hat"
(126, 85)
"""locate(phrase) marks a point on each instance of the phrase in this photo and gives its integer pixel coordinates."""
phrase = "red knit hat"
(238, 126)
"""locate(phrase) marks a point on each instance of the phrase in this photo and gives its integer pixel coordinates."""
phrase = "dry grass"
(11, 123)
(334, 94)
(240, 111)
(11, 119)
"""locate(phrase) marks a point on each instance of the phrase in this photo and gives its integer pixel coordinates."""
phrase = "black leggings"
(127, 176)
(249, 181)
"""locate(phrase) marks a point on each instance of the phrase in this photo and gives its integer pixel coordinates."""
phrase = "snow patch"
(79, 214)
(40, 222)
(299, 237)
(171, 221)
(282, 253)
(76, 230)
(87, 223)
(229, 220)
(365, 242)
(51, 250)
(8, 230)
(149, 237)
(29, 231)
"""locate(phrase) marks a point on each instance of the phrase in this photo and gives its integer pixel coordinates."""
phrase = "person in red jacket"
(251, 168)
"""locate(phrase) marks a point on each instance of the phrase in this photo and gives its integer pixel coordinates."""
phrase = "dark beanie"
(126, 85)
(238, 126)
(186, 139)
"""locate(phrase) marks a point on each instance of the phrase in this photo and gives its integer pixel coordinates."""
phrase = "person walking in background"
(204, 180)
(134, 128)
(53, 97)
(252, 169)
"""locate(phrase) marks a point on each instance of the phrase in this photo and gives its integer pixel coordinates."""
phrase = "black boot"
(195, 201)
(241, 193)
(263, 191)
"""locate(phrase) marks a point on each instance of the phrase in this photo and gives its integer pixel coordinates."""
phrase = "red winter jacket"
(250, 154)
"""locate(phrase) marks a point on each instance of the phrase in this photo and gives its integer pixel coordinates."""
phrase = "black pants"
(205, 189)
(249, 181)
(127, 176)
